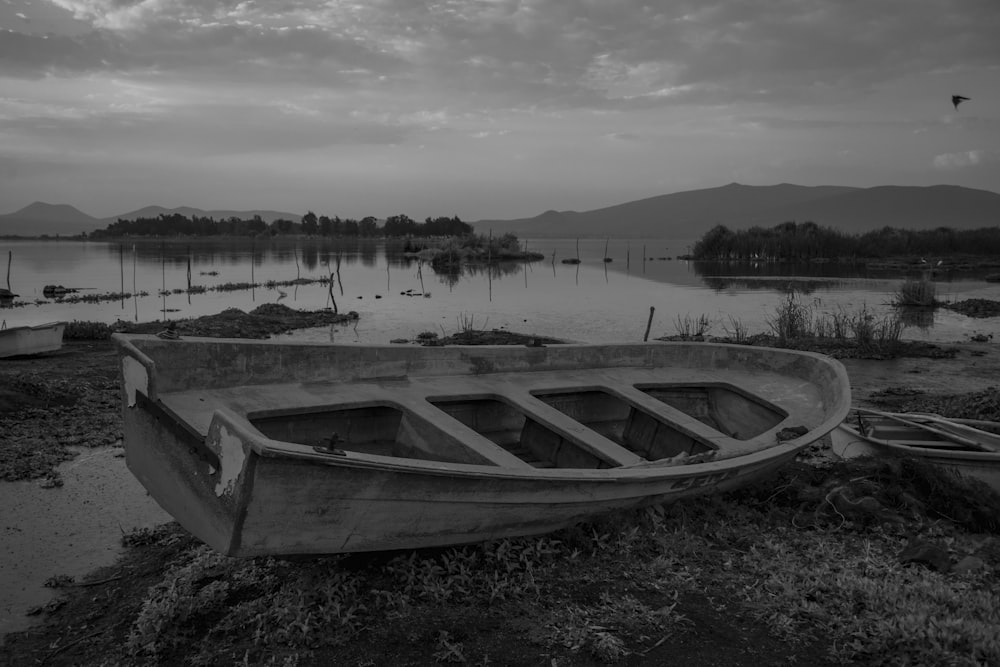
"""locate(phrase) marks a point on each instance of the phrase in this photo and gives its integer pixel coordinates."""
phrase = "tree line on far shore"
(176, 224)
(791, 241)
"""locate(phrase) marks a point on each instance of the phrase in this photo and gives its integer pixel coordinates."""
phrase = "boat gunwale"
(661, 468)
(35, 327)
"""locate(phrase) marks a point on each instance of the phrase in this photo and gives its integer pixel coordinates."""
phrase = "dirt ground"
(71, 397)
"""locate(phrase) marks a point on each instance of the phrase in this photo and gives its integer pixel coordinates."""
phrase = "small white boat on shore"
(969, 447)
(268, 448)
(27, 340)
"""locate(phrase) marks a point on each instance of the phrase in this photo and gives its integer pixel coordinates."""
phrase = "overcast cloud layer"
(486, 108)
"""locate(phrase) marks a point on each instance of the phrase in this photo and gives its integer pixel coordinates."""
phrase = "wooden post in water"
(163, 277)
(121, 268)
(135, 297)
(649, 323)
(524, 267)
(332, 298)
(10, 258)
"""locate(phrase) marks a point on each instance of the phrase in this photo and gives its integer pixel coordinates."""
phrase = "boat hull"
(39, 339)
(288, 506)
(227, 475)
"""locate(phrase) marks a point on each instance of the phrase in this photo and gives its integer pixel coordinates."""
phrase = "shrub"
(690, 328)
(916, 293)
(77, 330)
(792, 320)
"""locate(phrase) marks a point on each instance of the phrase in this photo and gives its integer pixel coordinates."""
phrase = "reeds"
(690, 328)
(796, 321)
(921, 293)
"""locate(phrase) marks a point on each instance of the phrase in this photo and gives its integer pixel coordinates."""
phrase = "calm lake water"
(594, 301)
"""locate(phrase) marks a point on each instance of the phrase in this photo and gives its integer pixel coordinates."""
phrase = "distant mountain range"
(52, 219)
(682, 215)
(687, 215)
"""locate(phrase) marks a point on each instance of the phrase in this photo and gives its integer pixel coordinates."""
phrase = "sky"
(486, 109)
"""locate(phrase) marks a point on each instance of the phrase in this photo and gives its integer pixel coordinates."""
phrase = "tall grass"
(792, 320)
(797, 321)
(916, 293)
(690, 328)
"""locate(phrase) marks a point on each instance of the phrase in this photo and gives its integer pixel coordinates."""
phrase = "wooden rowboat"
(20, 341)
(969, 447)
(261, 447)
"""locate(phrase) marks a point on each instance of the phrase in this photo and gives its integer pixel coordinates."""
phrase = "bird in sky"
(957, 99)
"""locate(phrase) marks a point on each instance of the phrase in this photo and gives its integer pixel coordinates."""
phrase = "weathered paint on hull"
(345, 510)
(178, 480)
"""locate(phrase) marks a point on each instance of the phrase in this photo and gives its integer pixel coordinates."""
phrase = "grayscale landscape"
(311, 267)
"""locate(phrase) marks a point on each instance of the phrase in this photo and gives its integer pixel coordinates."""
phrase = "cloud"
(965, 159)
(556, 53)
(619, 91)
(785, 123)
(207, 130)
(625, 136)
(35, 56)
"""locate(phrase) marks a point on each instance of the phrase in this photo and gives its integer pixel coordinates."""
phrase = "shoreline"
(97, 503)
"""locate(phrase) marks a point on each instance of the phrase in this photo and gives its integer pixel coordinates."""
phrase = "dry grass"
(777, 555)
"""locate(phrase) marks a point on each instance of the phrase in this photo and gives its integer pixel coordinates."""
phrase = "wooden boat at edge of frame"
(29, 340)
(969, 447)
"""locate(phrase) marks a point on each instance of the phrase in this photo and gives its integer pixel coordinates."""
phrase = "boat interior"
(883, 429)
(562, 407)
(392, 430)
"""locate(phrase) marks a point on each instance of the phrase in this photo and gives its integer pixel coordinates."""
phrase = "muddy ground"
(71, 397)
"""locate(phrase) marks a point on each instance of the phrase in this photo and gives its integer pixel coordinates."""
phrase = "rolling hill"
(689, 214)
(52, 219)
(681, 215)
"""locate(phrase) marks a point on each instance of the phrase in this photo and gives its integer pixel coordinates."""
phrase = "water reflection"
(777, 284)
(594, 299)
(911, 316)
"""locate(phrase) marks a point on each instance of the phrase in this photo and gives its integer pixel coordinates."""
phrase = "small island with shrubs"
(448, 255)
(888, 246)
